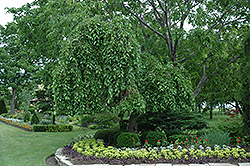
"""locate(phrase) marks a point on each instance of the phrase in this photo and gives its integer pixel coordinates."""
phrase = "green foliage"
(34, 118)
(245, 80)
(127, 139)
(105, 120)
(98, 67)
(45, 99)
(174, 132)
(14, 59)
(26, 117)
(154, 136)
(233, 126)
(102, 134)
(163, 87)
(45, 122)
(217, 137)
(14, 116)
(31, 109)
(171, 121)
(93, 126)
(2, 107)
(52, 128)
(177, 137)
(112, 139)
(86, 119)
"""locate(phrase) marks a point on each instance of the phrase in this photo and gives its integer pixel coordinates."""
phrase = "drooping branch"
(233, 60)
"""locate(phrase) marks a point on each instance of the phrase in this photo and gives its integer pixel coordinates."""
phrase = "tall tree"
(201, 47)
(245, 80)
(16, 66)
(44, 26)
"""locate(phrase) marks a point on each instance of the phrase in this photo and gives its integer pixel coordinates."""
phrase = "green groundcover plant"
(92, 151)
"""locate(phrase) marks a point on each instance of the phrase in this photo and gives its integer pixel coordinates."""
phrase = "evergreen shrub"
(3, 108)
(34, 119)
(127, 139)
(154, 136)
(233, 126)
(168, 121)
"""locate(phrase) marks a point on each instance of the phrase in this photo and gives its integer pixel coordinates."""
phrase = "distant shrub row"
(52, 128)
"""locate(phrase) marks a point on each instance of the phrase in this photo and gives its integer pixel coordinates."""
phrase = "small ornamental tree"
(98, 69)
(102, 69)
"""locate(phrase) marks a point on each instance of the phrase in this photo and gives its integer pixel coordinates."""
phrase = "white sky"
(4, 18)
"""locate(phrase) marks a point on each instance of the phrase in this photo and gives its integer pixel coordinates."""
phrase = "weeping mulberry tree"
(102, 69)
(98, 69)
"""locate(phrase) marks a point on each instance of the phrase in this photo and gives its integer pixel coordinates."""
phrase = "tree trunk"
(211, 112)
(12, 101)
(237, 106)
(54, 119)
(201, 83)
(132, 127)
(199, 108)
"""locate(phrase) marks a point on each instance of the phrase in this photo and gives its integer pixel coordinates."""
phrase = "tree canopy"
(16, 66)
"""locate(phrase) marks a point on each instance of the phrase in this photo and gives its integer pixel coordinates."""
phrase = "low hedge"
(52, 128)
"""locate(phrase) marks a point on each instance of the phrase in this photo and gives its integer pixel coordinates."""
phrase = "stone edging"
(62, 160)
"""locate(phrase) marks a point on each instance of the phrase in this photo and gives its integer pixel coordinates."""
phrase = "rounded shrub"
(2, 107)
(154, 136)
(26, 117)
(34, 119)
(127, 139)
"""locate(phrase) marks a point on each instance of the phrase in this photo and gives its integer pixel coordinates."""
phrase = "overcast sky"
(4, 18)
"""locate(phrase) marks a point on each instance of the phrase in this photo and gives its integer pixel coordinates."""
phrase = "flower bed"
(89, 151)
(17, 123)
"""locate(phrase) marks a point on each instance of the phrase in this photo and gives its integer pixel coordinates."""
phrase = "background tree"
(202, 46)
(16, 66)
(245, 80)
(44, 25)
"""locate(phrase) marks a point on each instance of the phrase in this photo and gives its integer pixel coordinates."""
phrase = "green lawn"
(22, 148)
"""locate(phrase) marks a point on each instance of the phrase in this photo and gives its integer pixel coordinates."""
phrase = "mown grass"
(22, 148)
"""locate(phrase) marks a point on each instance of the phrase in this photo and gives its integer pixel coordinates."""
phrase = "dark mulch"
(79, 159)
(16, 126)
